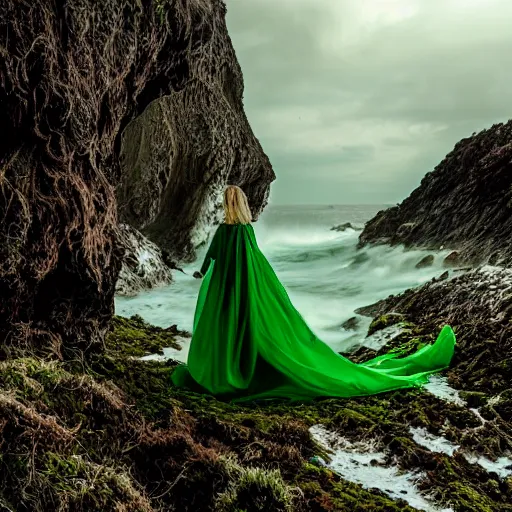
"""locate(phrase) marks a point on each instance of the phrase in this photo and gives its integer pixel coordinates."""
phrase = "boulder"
(344, 227)
(383, 321)
(351, 324)
(426, 261)
(445, 275)
(452, 260)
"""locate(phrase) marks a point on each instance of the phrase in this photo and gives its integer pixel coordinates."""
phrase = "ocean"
(325, 274)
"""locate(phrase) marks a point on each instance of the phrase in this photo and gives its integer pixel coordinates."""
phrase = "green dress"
(250, 343)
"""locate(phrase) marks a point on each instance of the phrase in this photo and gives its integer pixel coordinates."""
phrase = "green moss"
(215, 452)
(255, 489)
(134, 337)
(469, 500)
(347, 419)
(384, 321)
(76, 482)
(161, 10)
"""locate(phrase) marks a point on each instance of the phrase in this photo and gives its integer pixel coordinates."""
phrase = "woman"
(250, 343)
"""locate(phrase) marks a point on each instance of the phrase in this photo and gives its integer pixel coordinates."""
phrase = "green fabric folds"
(250, 343)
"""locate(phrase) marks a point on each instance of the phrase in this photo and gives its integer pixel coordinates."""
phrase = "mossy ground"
(135, 337)
(118, 436)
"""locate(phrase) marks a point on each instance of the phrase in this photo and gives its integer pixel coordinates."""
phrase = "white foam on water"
(364, 464)
(382, 337)
(502, 466)
(483, 421)
(438, 444)
(438, 386)
(433, 443)
(324, 273)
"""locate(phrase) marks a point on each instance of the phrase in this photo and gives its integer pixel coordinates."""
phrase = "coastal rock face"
(72, 77)
(478, 305)
(143, 265)
(180, 153)
(464, 204)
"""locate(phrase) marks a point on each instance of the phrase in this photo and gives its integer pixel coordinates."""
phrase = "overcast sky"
(355, 100)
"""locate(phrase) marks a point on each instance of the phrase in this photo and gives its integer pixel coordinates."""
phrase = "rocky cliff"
(464, 204)
(73, 75)
(181, 152)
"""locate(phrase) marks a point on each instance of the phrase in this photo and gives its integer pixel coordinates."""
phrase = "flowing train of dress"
(250, 343)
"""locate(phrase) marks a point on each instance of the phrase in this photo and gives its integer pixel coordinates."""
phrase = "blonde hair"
(236, 206)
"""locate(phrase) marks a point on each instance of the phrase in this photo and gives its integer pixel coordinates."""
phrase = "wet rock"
(425, 262)
(351, 324)
(452, 260)
(166, 257)
(372, 310)
(480, 303)
(344, 227)
(405, 229)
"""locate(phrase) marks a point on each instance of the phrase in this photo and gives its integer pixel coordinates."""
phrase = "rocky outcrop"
(143, 264)
(426, 261)
(478, 304)
(180, 153)
(72, 77)
(452, 260)
(464, 204)
(351, 324)
(343, 227)
(474, 440)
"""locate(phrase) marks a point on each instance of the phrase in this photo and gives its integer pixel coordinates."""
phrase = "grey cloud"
(386, 107)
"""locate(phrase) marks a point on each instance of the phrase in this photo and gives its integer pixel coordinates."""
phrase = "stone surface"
(452, 260)
(180, 153)
(463, 204)
(344, 227)
(351, 324)
(427, 261)
(478, 305)
(143, 266)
